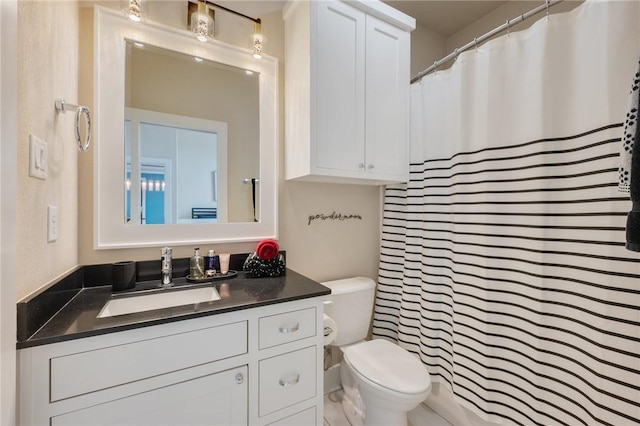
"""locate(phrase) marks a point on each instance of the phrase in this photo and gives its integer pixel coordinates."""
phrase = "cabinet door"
(216, 399)
(387, 100)
(338, 76)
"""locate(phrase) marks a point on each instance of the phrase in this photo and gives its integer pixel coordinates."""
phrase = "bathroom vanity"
(251, 357)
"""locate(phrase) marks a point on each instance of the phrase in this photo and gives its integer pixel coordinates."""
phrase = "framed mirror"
(185, 140)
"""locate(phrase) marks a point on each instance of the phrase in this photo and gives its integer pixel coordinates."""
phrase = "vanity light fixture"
(257, 39)
(202, 22)
(133, 10)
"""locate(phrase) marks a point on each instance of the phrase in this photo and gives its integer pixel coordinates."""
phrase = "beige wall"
(48, 69)
(427, 46)
(499, 16)
(8, 167)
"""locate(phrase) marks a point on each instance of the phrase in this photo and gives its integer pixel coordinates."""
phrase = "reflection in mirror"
(185, 119)
(175, 169)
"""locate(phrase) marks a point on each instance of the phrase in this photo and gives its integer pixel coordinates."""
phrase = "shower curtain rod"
(477, 40)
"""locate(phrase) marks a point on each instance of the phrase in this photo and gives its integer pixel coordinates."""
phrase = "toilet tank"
(351, 308)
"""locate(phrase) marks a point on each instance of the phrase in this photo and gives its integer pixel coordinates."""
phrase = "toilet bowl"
(381, 381)
(390, 380)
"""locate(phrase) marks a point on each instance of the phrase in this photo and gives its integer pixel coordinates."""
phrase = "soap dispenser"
(211, 264)
(196, 265)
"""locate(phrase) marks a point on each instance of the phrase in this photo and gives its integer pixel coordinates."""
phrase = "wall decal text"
(333, 216)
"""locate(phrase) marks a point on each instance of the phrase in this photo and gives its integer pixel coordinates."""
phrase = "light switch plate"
(38, 158)
(52, 223)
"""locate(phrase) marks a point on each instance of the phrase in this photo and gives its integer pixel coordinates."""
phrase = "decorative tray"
(229, 274)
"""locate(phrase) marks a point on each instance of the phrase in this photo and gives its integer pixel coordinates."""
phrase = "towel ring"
(80, 110)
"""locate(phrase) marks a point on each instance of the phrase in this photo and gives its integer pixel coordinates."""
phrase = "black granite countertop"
(78, 317)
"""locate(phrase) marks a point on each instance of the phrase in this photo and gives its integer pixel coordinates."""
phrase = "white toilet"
(381, 381)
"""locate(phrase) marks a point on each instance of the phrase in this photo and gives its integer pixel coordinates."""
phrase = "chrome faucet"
(167, 269)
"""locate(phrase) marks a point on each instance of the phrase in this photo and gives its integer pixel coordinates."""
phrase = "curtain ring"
(508, 26)
(547, 2)
(83, 110)
(475, 42)
(455, 53)
(435, 65)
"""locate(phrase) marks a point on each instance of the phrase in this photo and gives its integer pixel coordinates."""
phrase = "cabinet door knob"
(361, 166)
(291, 382)
(371, 166)
(286, 330)
(239, 378)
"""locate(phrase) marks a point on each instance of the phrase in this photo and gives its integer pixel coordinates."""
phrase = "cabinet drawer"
(284, 328)
(303, 418)
(84, 372)
(287, 379)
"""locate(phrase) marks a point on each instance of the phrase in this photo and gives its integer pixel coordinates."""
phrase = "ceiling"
(445, 17)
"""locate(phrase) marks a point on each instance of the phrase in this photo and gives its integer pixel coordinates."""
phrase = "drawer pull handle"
(286, 330)
(291, 382)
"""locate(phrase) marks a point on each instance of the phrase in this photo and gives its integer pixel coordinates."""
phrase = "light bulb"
(134, 10)
(202, 23)
(143, 184)
(157, 185)
(164, 185)
(257, 47)
(127, 184)
(258, 40)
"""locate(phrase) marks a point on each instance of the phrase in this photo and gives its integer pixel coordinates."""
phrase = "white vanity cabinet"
(256, 366)
(347, 92)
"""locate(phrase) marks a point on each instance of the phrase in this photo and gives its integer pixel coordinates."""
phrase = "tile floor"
(334, 416)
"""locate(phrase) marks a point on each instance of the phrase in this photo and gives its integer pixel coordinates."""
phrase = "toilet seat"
(389, 366)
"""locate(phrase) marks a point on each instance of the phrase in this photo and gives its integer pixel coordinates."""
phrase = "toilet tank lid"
(349, 285)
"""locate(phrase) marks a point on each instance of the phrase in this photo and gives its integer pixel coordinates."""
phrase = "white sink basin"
(166, 299)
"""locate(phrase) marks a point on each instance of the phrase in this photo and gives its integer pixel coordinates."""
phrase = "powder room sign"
(333, 216)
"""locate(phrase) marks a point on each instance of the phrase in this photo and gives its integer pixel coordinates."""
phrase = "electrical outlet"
(38, 154)
(52, 223)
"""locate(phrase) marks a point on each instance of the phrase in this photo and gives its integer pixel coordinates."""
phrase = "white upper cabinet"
(347, 92)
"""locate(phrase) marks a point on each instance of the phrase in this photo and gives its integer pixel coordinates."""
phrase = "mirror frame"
(111, 30)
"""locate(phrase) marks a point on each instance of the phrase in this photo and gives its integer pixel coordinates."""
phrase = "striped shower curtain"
(503, 265)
